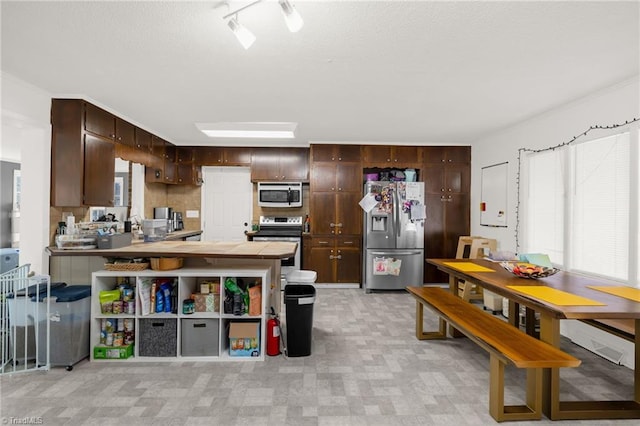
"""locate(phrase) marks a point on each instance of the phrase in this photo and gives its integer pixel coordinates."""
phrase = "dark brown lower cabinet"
(335, 259)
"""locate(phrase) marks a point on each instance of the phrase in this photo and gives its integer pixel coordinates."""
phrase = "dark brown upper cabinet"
(391, 156)
(280, 164)
(447, 154)
(99, 122)
(82, 161)
(334, 152)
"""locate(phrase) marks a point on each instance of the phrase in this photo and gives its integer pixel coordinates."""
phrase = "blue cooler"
(69, 322)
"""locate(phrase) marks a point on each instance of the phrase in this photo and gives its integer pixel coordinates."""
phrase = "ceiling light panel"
(272, 130)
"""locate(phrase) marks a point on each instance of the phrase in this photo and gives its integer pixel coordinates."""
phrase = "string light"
(552, 148)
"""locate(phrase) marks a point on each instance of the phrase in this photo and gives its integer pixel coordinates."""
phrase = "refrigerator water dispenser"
(379, 223)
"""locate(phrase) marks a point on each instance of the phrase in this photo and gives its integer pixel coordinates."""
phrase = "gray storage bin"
(114, 241)
(200, 337)
(69, 322)
(158, 337)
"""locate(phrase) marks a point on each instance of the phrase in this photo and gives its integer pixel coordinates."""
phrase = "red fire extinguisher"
(273, 334)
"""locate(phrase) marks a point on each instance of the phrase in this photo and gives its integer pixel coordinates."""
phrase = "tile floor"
(366, 368)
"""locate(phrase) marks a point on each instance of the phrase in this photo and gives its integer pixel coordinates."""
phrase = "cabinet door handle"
(347, 242)
(333, 189)
(339, 224)
(323, 242)
(332, 224)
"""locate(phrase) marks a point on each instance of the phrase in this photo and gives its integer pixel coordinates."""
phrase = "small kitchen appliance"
(280, 194)
(178, 224)
(165, 213)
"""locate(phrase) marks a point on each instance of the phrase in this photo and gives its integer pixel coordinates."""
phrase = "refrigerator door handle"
(395, 253)
(396, 212)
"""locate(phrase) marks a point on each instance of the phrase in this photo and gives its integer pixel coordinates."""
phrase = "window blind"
(545, 205)
(600, 222)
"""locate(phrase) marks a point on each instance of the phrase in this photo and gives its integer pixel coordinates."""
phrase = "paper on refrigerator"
(414, 191)
(418, 212)
(386, 266)
(368, 202)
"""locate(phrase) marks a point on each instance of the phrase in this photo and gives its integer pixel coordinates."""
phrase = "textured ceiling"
(369, 72)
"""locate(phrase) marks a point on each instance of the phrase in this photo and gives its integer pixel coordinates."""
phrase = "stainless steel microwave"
(280, 194)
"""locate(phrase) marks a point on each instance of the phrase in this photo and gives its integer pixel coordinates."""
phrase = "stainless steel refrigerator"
(393, 235)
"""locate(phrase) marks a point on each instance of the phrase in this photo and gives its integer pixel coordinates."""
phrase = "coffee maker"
(178, 224)
(165, 213)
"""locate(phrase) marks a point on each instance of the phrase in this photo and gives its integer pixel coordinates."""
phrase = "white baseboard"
(610, 347)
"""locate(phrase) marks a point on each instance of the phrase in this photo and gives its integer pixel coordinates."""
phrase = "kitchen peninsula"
(196, 254)
(181, 333)
(191, 249)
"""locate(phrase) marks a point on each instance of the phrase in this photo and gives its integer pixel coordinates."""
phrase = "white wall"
(26, 130)
(613, 105)
(610, 106)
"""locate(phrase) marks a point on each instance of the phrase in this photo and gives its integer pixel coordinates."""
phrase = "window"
(544, 218)
(118, 189)
(600, 222)
(578, 206)
(17, 189)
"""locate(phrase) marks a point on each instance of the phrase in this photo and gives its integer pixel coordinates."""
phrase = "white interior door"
(227, 203)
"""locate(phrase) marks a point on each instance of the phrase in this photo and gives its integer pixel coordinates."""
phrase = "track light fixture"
(291, 17)
(244, 36)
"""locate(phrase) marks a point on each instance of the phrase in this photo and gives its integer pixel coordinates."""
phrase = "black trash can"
(299, 300)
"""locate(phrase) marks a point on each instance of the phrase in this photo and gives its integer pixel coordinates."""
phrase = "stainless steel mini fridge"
(393, 235)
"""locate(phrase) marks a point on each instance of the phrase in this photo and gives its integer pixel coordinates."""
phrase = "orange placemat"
(621, 291)
(467, 267)
(551, 295)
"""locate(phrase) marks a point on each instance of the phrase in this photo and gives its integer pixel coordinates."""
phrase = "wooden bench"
(506, 345)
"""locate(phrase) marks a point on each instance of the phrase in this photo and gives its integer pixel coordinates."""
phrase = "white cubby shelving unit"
(188, 281)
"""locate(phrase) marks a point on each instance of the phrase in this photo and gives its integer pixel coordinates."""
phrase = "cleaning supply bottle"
(307, 224)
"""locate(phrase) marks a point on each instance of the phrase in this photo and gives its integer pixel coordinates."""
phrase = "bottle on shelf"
(307, 224)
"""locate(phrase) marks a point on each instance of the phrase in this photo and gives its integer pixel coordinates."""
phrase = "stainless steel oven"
(274, 228)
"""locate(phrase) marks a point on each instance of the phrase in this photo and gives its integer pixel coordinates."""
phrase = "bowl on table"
(528, 270)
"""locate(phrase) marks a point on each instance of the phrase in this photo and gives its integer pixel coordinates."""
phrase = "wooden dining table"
(596, 306)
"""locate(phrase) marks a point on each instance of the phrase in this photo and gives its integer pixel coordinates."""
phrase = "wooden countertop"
(178, 235)
(237, 250)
